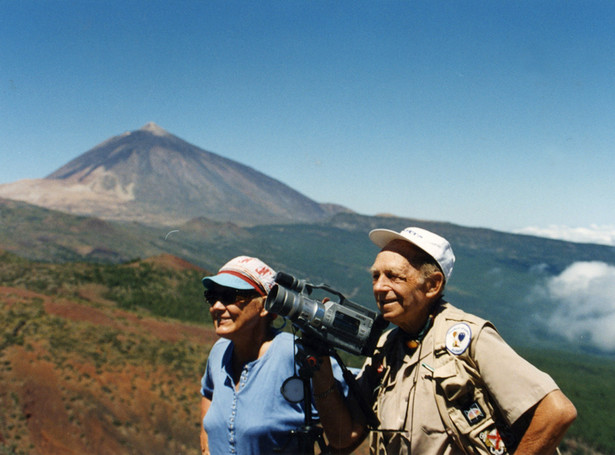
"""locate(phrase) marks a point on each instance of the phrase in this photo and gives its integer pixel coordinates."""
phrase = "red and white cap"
(245, 273)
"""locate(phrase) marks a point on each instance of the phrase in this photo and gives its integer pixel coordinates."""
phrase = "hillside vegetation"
(496, 274)
(90, 366)
(588, 382)
(106, 359)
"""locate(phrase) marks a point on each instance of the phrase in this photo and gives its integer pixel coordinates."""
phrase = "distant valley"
(496, 274)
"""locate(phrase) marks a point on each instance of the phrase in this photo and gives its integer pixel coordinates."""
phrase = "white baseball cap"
(432, 244)
(245, 273)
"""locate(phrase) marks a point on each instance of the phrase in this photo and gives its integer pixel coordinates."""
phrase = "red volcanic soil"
(172, 262)
(111, 317)
(69, 387)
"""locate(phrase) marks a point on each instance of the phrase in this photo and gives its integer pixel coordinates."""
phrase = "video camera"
(344, 324)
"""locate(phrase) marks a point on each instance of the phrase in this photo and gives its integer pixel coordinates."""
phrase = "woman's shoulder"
(221, 343)
(219, 348)
(283, 341)
(284, 337)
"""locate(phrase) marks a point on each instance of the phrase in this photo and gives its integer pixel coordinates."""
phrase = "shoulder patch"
(458, 338)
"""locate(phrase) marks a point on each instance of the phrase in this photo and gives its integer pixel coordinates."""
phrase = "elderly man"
(442, 381)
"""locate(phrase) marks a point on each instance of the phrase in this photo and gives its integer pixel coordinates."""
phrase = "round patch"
(458, 338)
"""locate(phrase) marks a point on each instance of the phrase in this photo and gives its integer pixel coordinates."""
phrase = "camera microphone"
(290, 282)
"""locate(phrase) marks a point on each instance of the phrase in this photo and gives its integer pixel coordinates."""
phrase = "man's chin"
(389, 316)
(388, 309)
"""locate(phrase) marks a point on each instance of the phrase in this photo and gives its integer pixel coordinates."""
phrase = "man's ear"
(434, 284)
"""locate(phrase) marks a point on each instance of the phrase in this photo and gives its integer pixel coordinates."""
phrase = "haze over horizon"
(482, 114)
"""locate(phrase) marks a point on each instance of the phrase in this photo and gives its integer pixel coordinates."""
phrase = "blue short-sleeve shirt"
(255, 418)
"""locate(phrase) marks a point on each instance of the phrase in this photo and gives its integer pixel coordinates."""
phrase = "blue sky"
(493, 114)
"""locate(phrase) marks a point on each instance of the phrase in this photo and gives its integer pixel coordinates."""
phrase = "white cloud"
(603, 235)
(584, 299)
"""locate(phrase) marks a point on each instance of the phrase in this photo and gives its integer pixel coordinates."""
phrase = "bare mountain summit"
(154, 177)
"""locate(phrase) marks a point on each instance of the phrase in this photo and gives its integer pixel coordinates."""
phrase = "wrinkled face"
(399, 288)
(239, 318)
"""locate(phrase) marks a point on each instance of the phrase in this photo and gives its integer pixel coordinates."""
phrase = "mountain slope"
(154, 177)
(499, 276)
(86, 370)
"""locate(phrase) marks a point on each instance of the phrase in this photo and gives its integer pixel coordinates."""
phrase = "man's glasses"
(227, 296)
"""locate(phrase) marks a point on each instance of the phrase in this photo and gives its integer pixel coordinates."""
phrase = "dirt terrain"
(88, 378)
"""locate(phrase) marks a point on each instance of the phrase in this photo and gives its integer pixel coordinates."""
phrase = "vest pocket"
(459, 392)
(454, 382)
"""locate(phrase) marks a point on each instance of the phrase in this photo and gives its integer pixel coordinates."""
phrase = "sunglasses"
(227, 296)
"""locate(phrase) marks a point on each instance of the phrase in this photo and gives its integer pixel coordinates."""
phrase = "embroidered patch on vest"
(493, 441)
(474, 413)
(458, 338)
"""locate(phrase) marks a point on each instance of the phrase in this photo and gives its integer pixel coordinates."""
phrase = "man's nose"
(380, 284)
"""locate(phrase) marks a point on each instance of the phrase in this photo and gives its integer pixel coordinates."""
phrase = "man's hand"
(312, 346)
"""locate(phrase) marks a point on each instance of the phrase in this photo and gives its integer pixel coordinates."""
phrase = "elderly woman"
(242, 408)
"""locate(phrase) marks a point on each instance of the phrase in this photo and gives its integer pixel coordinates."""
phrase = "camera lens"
(279, 301)
(296, 307)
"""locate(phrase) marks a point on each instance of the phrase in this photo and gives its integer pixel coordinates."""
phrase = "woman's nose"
(217, 306)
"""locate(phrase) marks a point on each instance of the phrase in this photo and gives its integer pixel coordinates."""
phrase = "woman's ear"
(263, 311)
(269, 317)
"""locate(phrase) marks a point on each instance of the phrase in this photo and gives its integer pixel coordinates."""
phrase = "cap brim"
(381, 237)
(226, 280)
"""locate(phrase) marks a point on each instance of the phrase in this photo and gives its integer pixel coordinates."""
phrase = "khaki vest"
(467, 411)
(463, 400)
